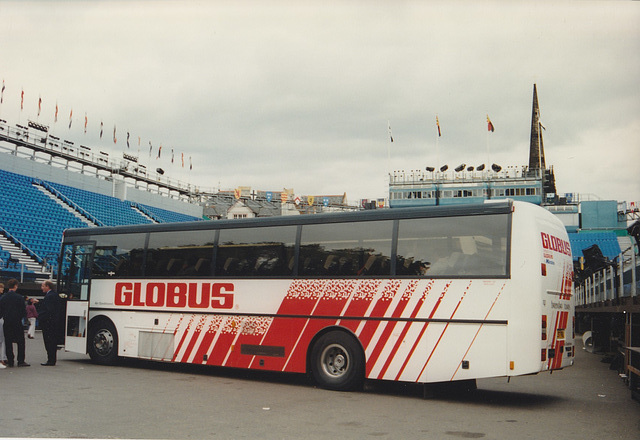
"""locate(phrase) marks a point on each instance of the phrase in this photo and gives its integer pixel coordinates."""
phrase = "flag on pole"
(159, 151)
(39, 105)
(490, 126)
(70, 118)
(172, 155)
(128, 139)
(182, 160)
(55, 118)
(190, 164)
(85, 123)
(22, 100)
(390, 134)
(438, 125)
(2, 93)
(115, 139)
(150, 148)
(101, 128)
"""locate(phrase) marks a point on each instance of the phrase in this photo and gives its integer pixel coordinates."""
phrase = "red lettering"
(123, 297)
(155, 294)
(545, 240)
(181, 295)
(177, 295)
(203, 301)
(555, 244)
(137, 301)
(222, 296)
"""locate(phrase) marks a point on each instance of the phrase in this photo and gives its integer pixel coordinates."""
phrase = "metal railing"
(38, 141)
(463, 176)
(69, 202)
(20, 245)
(608, 284)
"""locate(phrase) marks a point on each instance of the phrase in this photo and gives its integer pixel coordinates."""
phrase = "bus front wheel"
(102, 344)
(337, 362)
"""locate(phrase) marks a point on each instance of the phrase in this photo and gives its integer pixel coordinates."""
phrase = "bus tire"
(337, 362)
(102, 343)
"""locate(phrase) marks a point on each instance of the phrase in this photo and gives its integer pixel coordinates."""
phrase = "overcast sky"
(275, 94)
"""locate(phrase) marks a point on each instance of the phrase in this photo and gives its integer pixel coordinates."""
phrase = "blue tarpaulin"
(606, 241)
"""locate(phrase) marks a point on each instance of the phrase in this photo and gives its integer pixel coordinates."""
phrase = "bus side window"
(118, 255)
(461, 246)
(346, 249)
(179, 254)
(256, 252)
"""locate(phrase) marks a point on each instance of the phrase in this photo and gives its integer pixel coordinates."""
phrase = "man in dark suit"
(13, 310)
(49, 317)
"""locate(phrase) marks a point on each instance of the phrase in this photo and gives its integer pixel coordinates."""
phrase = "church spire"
(536, 148)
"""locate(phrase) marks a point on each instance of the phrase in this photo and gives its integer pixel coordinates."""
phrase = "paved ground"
(77, 399)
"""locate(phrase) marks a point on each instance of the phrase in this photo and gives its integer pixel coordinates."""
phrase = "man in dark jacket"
(13, 310)
(49, 317)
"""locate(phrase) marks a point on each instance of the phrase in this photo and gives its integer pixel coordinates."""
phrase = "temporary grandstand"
(39, 200)
(48, 184)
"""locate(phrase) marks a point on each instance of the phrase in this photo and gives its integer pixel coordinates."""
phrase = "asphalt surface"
(142, 400)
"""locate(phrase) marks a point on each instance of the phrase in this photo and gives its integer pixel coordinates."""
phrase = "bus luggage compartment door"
(75, 339)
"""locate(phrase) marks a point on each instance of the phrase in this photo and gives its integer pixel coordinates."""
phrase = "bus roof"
(501, 207)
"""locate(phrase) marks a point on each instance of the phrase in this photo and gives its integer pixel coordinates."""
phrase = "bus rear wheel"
(337, 362)
(102, 344)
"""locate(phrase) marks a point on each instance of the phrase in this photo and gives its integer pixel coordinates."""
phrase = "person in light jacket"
(32, 315)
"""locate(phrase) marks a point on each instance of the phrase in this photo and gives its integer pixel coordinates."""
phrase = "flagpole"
(21, 105)
(437, 152)
(438, 134)
(489, 130)
(488, 155)
(389, 149)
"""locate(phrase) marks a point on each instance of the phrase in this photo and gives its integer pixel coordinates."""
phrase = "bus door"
(75, 271)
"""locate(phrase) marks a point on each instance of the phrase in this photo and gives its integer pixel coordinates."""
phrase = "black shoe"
(47, 364)
(23, 364)
(10, 364)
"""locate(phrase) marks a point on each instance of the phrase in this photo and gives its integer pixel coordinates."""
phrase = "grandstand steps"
(144, 214)
(64, 205)
(19, 255)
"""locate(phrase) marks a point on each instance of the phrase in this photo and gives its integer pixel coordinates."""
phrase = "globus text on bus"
(555, 244)
(174, 294)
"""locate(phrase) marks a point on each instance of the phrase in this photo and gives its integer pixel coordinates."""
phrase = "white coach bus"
(432, 294)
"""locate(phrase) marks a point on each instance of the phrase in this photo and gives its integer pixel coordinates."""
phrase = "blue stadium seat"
(165, 216)
(37, 221)
(109, 210)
